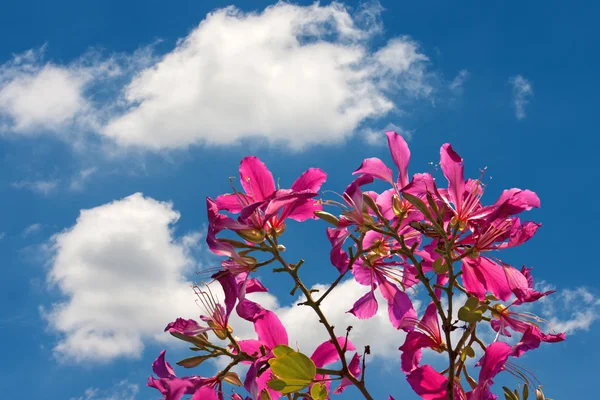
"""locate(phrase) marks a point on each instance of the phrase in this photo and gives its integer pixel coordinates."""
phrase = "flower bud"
(325, 216)
(252, 235)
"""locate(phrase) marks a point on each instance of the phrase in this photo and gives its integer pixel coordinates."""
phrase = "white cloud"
(44, 187)
(460, 79)
(290, 74)
(43, 97)
(522, 92)
(121, 273)
(31, 229)
(296, 75)
(570, 310)
(121, 391)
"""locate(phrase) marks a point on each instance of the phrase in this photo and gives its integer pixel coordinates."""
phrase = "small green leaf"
(368, 200)
(470, 311)
(318, 391)
(525, 392)
(292, 369)
(193, 362)
(468, 350)
(419, 205)
(264, 395)
(439, 266)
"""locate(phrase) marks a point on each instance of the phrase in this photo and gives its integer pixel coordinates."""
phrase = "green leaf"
(468, 350)
(318, 391)
(470, 311)
(525, 392)
(193, 362)
(282, 350)
(419, 205)
(264, 395)
(439, 266)
(293, 370)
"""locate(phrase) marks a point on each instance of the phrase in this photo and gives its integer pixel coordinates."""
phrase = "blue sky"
(100, 101)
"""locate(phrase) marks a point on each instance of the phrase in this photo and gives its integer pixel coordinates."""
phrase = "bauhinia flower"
(424, 334)
(174, 388)
(376, 271)
(265, 208)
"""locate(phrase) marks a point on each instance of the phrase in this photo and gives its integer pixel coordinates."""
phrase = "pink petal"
(495, 277)
(376, 168)
(354, 368)
(162, 368)
(411, 350)
(270, 330)
(496, 355)
(473, 280)
(452, 165)
(305, 211)
(400, 155)
(250, 347)
(311, 179)
(399, 305)
(232, 202)
(428, 383)
(205, 393)
(256, 179)
(384, 202)
(365, 307)
(326, 353)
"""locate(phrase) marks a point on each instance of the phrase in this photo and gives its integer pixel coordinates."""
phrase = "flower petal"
(256, 179)
(401, 156)
(375, 168)
(453, 168)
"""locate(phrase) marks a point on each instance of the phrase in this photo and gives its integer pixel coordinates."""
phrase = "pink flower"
(261, 204)
(424, 334)
(505, 318)
(496, 355)
(374, 271)
(174, 388)
(463, 197)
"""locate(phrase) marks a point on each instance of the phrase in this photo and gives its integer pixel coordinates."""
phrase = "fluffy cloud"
(34, 96)
(522, 92)
(297, 75)
(121, 273)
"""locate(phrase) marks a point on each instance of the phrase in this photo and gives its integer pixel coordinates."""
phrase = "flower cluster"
(416, 234)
